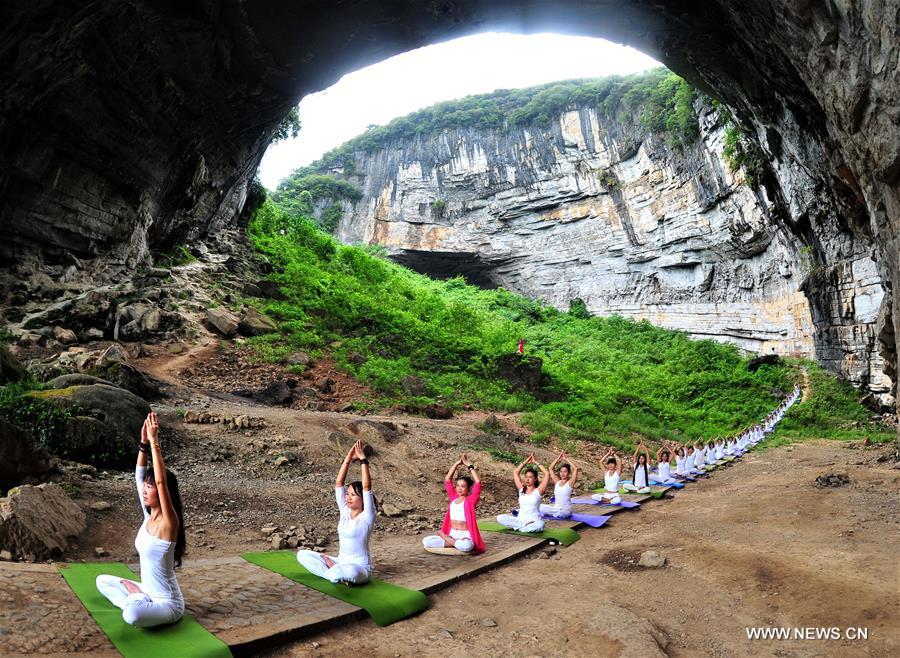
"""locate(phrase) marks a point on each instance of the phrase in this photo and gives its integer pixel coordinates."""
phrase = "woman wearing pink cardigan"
(460, 530)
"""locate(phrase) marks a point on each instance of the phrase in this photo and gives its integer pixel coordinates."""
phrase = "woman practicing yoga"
(160, 542)
(357, 505)
(611, 477)
(530, 492)
(641, 480)
(663, 467)
(563, 484)
(460, 530)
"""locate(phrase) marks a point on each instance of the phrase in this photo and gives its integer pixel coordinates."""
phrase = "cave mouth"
(472, 266)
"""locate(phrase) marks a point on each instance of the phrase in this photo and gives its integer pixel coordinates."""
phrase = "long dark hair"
(531, 469)
(357, 487)
(175, 496)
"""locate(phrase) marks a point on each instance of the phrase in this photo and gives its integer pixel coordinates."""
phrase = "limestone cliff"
(600, 210)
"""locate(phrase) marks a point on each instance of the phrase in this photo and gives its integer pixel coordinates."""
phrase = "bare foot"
(328, 561)
(131, 587)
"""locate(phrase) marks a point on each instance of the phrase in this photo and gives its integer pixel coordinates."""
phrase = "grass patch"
(605, 379)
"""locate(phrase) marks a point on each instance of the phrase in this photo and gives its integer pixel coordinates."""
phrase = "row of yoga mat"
(384, 602)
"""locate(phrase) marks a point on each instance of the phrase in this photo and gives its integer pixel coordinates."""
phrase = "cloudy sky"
(453, 69)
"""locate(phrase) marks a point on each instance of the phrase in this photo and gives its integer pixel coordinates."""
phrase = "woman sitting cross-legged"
(160, 542)
(663, 473)
(613, 466)
(530, 492)
(460, 529)
(641, 480)
(563, 484)
(356, 503)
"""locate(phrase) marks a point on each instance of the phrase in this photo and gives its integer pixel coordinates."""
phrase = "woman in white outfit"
(611, 476)
(528, 518)
(640, 482)
(160, 543)
(663, 467)
(563, 485)
(356, 503)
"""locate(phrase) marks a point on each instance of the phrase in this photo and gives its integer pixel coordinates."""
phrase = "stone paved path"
(244, 605)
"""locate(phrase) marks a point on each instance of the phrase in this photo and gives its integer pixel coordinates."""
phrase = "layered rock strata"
(600, 210)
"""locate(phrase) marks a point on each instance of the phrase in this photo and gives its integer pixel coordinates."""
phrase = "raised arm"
(342, 472)
(473, 471)
(545, 478)
(553, 465)
(517, 478)
(452, 472)
(168, 530)
(140, 468)
(573, 479)
(359, 453)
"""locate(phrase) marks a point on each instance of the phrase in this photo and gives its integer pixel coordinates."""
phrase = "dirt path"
(756, 545)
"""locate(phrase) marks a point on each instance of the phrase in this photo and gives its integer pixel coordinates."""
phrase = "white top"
(720, 452)
(562, 493)
(353, 534)
(679, 464)
(530, 505)
(640, 476)
(689, 461)
(157, 556)
(611, 482)
(664, 470)
(711, 456)
(458, 510)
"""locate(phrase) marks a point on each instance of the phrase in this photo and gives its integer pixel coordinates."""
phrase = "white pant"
(630, 487)
(522, 525)
(555, 511)
(139, 609)
(313, 562)
(463, 545)
(656, 480)
(607, 497)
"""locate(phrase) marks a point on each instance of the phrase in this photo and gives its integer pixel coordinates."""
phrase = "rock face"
(20, 456)
(599, 210)
(131, 123)
(36, 523)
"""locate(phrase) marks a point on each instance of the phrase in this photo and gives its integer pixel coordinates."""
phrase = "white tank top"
(640, 476)
(679, 464)
(689, 460)
(458, 511)
(664, 470)
(157, 556)
(530, 505)
(563, 495)
(611, 482)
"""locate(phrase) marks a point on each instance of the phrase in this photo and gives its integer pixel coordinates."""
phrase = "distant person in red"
(521, 348)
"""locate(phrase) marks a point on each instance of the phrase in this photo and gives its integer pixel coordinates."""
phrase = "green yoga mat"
(565, 536)
(185, 637)
(385, 602)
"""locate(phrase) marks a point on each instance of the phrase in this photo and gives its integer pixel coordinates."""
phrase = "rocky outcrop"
(601, 211)
(130, 124)
(21, 458)
(37, 523)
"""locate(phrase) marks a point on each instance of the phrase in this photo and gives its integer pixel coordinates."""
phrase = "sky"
(453, 69)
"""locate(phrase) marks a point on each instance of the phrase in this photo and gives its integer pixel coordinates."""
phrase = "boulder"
(298, 359)
(36, 523)
(437, 411)
(764, 359)
(105, 424)
(271, 290)
(414, 386)
(278, 392)
(254, 323)
(522, 372)
(20, 456)
(10, 368)
(136, 381)
(115, 353)
(372, 430)
(76, 379)
(222, 320)
(64, 336)
(652, 559)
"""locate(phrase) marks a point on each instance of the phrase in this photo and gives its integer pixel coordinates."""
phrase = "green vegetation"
(742, 153)
(178, 256)
(606, 378)
(22, 405)
(659, 100)
(833, 411)
(297, 194)
(289, 126)
(438, 206)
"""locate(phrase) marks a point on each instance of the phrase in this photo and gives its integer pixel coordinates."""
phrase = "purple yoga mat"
(590, 501)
